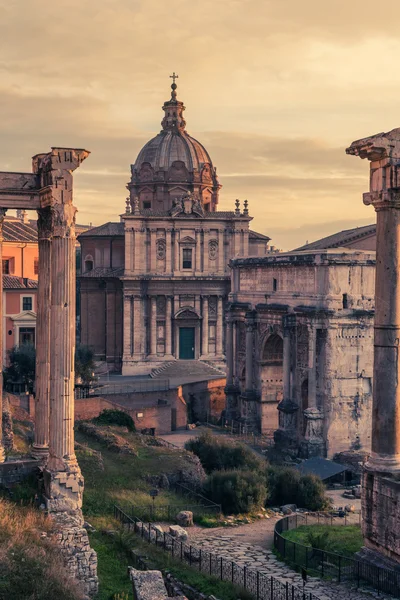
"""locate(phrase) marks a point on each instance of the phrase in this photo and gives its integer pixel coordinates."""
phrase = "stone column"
(168, 327)
(198, 251)
(286, 364)
(168, 251)
(220, 328)
(2, 453)
(250, 329)
(205, 327)
(42, 398)
(313, 444)
(176, 251)
(153, 326)
(229, 352)
(138, 327)
(152, 250)
(128, 317)
(312, 368)
(221, 251)
(206, 262)
(286, 435)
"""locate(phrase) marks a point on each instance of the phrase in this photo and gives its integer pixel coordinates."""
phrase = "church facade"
(154, 286)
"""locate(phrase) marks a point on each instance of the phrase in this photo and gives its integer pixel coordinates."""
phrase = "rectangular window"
(6, 266)
(36, 266)
(26, 303)
(187, 258)
(146, 205)
(275, 285)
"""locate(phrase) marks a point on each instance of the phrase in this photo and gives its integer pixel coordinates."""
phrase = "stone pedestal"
(286, 436)
(313, 443)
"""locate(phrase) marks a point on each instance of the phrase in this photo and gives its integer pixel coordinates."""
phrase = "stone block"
(184, 518)
(178, 533)
(288, 509)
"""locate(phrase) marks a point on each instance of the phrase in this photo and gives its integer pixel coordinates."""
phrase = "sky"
(275, 90)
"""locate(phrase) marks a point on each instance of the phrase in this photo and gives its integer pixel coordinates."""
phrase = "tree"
(84, 363)
(22, 366)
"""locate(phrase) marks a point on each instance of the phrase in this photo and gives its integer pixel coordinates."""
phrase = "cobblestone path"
(259, 559)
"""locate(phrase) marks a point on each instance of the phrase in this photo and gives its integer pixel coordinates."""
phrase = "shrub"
(236, 491)
(84, 363)
(22, 366)
(286, 485)
(217, 453)
(115, 417)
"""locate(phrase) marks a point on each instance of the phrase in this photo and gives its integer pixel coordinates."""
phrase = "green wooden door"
(186, 343)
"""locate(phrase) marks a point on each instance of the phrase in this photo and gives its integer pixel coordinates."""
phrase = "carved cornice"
(383, 199)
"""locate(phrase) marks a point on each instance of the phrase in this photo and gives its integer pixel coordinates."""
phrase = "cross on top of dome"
(173, 108)
(173, 85)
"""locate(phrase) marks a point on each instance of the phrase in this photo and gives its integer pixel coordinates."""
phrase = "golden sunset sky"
(275, 90)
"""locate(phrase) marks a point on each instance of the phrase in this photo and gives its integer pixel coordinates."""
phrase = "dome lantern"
(173, 164)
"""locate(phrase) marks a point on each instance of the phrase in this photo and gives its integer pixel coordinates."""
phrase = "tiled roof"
(340, 239)
(106, 230)
(16, 231)
(104, 272)
(254, 235)
(18, 283)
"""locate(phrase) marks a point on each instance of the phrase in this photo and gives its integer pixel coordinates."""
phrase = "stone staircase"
(195, 370)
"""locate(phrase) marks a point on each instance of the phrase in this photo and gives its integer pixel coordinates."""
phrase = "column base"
(40, 452)
(383, 464)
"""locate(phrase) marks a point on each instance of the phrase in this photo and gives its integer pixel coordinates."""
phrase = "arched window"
(273, 349)
(89, 263)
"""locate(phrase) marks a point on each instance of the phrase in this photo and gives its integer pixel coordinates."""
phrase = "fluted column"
(220, 327)
(128, 327)
(62, 340)
(198, 251)
(42, 398)
(168, 327)
(221, 251)
(312, 369)
(205, 326)
(138, 326)
(153, 326)
(2, 453)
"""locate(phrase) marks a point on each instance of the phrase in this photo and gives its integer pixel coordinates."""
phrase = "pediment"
(187, 240)
(26, 315)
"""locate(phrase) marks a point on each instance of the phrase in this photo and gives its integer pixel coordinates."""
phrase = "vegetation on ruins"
(115, 417)
(21, 366)
(218, 453)
(288, 486)
(237, 491)
(30, 564)
(84, 363)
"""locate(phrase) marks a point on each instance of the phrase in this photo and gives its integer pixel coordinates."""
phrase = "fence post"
(210, 563)
(258, 585)
(284, 547)
(164, 540)
(358, 574)
(200, 559)
(244, 578)
(272, 587)
(233, 572)
(339, 577)
(287, 590)
(221, 568)
(322, 566)
(306, 558)
(173, 546)
(149, 533)
(181, 550)
(190, 555)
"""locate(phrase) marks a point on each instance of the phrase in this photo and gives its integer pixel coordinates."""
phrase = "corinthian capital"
(45, 223)
(64, 220)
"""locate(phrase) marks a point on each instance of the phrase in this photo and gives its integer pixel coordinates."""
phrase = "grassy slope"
(342, 539)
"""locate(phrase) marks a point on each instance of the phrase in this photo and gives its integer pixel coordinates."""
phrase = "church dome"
(173, 164)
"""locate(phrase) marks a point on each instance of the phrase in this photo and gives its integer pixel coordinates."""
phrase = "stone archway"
(271, 375)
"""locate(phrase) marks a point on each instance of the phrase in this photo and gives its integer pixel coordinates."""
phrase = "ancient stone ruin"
(49, 190)
(381, 478)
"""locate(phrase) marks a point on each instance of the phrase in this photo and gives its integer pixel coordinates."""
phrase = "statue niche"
(178, 172)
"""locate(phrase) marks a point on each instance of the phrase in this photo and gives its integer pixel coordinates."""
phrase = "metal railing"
(259, 585)
(110, 389)
(330, 564)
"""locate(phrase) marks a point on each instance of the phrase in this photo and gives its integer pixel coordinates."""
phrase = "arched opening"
(89, 263)
(271, 381)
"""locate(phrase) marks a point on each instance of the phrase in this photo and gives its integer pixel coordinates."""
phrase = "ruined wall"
(381, 514)
(205, 398)
(347, 390)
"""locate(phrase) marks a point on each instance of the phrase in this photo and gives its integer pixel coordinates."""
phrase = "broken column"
(286, 436)
(381, 485)
(2, 453)
(313, 443)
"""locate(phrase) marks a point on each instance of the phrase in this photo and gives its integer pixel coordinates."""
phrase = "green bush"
(115, 417)
(216, 453)
(236, 491)
(287, 486)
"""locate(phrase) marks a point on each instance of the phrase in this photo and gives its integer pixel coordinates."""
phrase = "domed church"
(154, 286)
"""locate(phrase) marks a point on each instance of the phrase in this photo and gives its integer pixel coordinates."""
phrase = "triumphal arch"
(49, 191)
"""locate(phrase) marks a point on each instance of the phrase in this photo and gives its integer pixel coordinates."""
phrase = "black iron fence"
(330, 564)
(261, 586)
